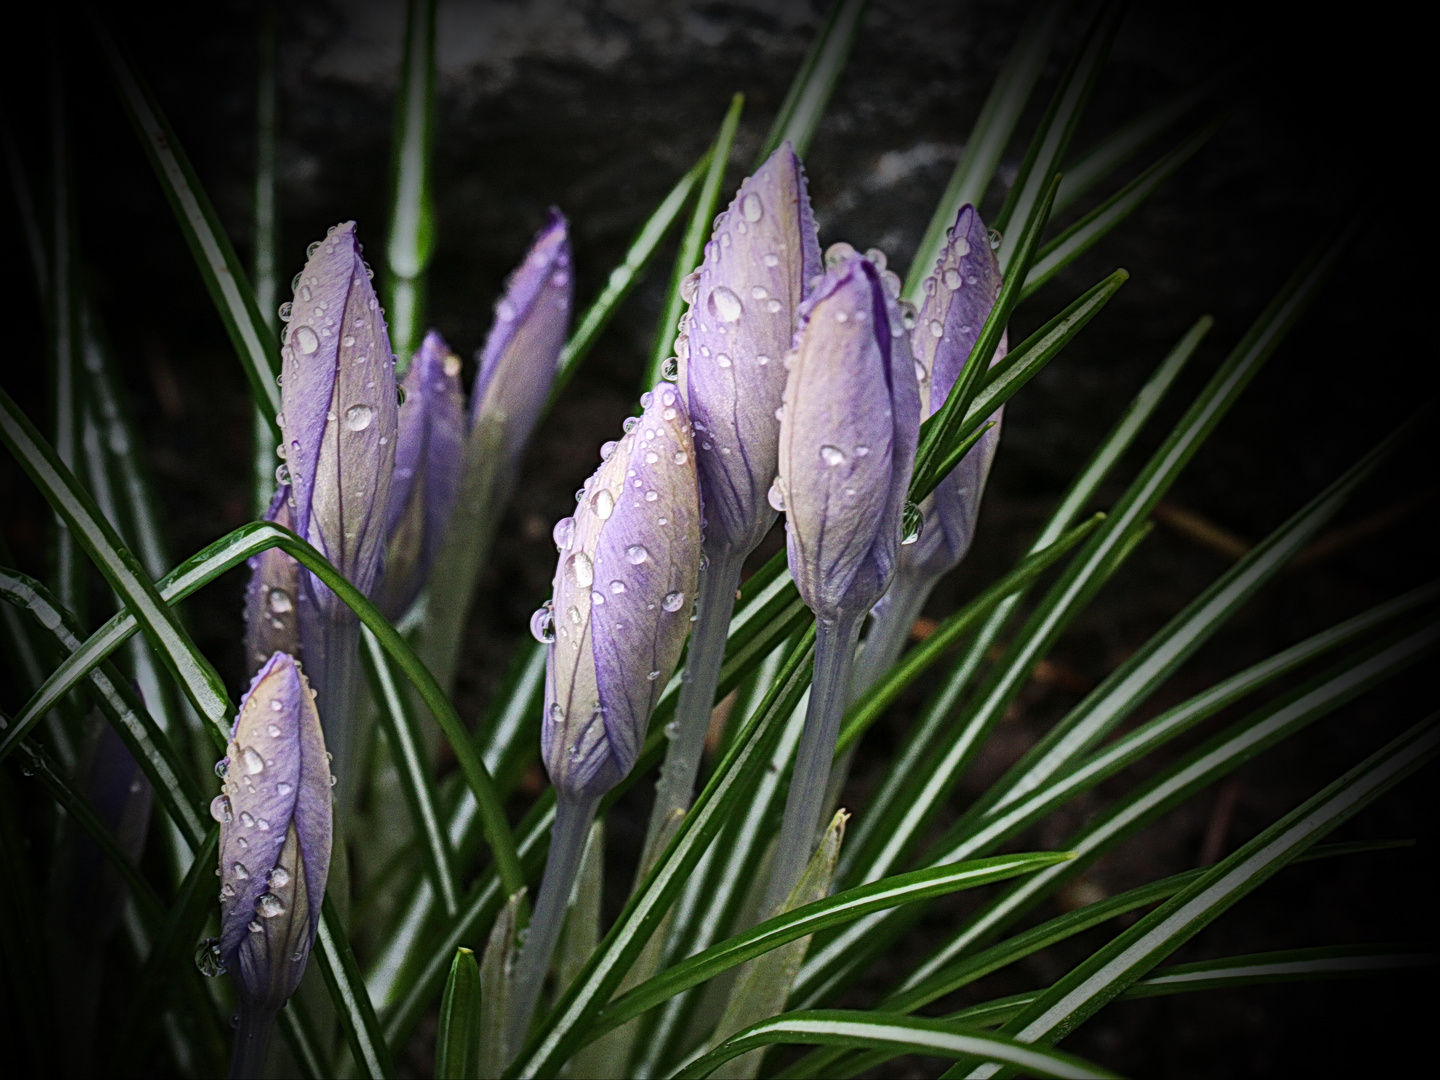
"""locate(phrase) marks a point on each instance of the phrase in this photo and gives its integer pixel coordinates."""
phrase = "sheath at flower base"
(339, 418)
(428, 454)
(958, 299)
(275, 836)
(271, 615)
(624, 589)
(848, 434)
(730, 353)
(517, 370)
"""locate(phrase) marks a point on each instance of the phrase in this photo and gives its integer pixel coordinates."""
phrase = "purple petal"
(740, 325)
(271, 617)
(518, 365)
(624, 589)
(275, 834)
(847, 441)
(428, 455)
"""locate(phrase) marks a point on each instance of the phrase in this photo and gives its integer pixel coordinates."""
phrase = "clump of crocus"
(428, 455)
(339, 418)
(741, 322)
(624, 589)
(848, 433)
(275, 835)
(271, 614)
(958, 298)
(517, 370)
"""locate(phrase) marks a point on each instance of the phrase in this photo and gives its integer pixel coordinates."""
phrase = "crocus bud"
(338, 411)
(270, 599)
(741, 322)
(275, 834)
(428, 455)
(958, 299)
(624, 587)
(517, 367)
(849, 427)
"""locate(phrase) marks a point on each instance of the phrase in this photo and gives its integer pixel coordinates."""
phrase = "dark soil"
(598, 108)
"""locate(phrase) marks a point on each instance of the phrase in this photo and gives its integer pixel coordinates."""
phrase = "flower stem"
(334, 675)
(676, 786)
(252, 1041)
(829, 692)
(567, 846)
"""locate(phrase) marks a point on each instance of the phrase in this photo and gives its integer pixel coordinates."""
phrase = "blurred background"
(598, 108)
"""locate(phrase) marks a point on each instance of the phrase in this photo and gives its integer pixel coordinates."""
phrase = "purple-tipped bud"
(429, 452)
(624, 588)
(741, 322)
(518, 365)
(275, 834)
(958, 299)
(338, 411)
(849, 426)
(271, 610)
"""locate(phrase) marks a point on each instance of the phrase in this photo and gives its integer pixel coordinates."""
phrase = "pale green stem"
(252, 1041)
(334, 676)
(567, 846)
(697, 695)
(829, 691)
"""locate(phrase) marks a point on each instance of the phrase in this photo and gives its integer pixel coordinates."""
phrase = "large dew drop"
(542, 625)
(563, 533)
(724, 304)
(358, 417)
(254, 763)
(279, 601)
(269, 905)
(832, 455)
(220, 809)
(306, 340)
(751, 208)
(636, 554)
(673, 601)
(582, 569)
(912, 522)
(603, 504)
(776, 495)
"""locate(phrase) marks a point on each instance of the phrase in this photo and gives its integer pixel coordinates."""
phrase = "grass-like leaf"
(457, 1044)
(214, 257)
(347, 991)
(813, 84)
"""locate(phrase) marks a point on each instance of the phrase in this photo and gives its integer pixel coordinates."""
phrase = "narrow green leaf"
(495, 969)
(406, 750)
(813, 84)
(347, 991)
(266, 243)
(304, 1044)
(1089, 230)
(457, 1045)
(1046, 153)
(898, 1034)
(692, 245)
(412, 216)
(988, 139)
(624, 277)
(1131, 955)
(214, 256)
(121, 569)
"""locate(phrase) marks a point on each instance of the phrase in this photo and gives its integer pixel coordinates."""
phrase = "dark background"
(599, 107)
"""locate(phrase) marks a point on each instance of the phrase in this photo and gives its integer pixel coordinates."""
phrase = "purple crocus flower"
(428, 455)
(849, 428)
(271, 615)
(276, 831)
(624, 587)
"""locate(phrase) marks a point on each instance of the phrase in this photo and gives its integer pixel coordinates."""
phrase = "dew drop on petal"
(995, 240)
(636, 554)
(617, 587)
(278, 878)
(221, 767)
(557, 714)
(254, 763)
(724, 304)
(603, 504)
(220, 809)
(563, 533)
(582, 569)
(358, 417)
(240, 871)
(951, 277)
(673, 601)
(607, 448)
(542, 625)
(269, 905)
(861, 451)
(651, 496)
(283, 788)
(751, 208)
(832, 455)
(629, 424)
(680, 457)
(279, 601)
(274, 730)
(670, 369)
(771, 260)
(776, 495)
(912, 522)
(937, 328)
(687, 286)
(306, 340)
(653, 676)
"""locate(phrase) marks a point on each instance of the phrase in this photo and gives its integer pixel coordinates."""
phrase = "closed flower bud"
(271, 612)
(851, 420)
(957, 302)
(338, 411)
(518, 365)
(428, 456)
(624, 587)
(275, 836)
(741, 322)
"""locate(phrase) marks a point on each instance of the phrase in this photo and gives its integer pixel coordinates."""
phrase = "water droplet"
(285, 311)
(653, 676)
(651, 496)
(557, 714)
(636, 554)
(681, 457)
(996, 239)
(832, 455)
(629, 424)
(306, 340)
(670, 369)
(574, 613)
(255, 926)
(240, 871)
(920, 373)
(207, 958)
(399, 393)
(646, 398)
(776, 495)
(617, 587)
(254, 763)
(278, 878)
(842, 316)
(563, 533)
(269, 905)
(937, 328)
(651, 457)
(673, 601)
(722, 360)
(780, 412)
(262, 824)
(687, 286)
(279, 601)
(596, 596)
(607, 448)
(220, 809)
(282, 474)
(275, 706)
(221, 767)
(724, 304)
(542, 625)
(582, 569)
(603, 504)
(912, 523)
(672, 729)
(951, 277)
(358, 417)
(750, 206)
